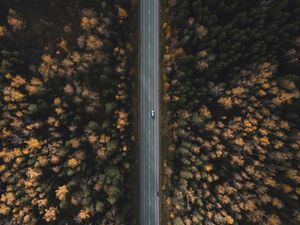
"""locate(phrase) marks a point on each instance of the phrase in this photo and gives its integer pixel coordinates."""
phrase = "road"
(149, 100)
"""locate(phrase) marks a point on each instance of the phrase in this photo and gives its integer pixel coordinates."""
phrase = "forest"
(231, 143)
(230, 72)
(67, 141)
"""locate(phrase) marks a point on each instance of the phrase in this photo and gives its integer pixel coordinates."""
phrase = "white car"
(152, 113)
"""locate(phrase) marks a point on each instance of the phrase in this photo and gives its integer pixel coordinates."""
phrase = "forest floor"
(164, 140)
(134, 64)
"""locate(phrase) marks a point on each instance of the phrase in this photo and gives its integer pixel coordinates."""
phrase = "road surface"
(149, 100)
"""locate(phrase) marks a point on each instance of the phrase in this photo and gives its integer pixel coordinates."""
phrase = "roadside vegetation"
(66, 131)
(231, 89)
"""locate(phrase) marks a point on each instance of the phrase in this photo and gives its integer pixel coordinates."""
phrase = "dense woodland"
(66, 133)
(231, 100)
(231, 146)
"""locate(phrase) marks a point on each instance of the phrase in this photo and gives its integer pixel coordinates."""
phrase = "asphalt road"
(149, 100)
